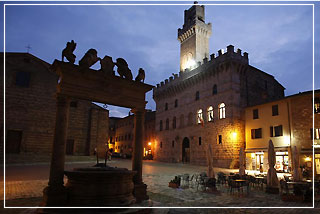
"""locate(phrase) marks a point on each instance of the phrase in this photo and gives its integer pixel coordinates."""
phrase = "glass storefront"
(282, 162)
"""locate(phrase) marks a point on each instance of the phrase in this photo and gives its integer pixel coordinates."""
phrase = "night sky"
(277, 38)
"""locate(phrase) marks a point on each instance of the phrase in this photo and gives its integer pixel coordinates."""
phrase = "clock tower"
(194, 38)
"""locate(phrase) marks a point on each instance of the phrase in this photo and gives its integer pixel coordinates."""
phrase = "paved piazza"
(157, 175)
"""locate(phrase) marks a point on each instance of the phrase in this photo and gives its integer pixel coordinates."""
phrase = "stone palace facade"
(205, 103)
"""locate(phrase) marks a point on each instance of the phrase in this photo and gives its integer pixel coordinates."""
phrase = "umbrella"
(210, 171)
(241, 163)
(296, 165)
(272, 179)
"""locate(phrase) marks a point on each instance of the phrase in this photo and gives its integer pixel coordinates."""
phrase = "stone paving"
(157, 176)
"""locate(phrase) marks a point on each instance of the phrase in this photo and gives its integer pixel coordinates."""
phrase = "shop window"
(316, 133)
(214, 89)
(172, 144)
(317, 105)
(255, 114)
(219, 139)
(256, 133)
(166, 107)
(167, 124)
(161, 125)
(197, 95)
(210, 114)
(199, 141)
(222, 110)
(174, 123)
(199, 117)
(176, 103)
(275, 111)
(23, 79)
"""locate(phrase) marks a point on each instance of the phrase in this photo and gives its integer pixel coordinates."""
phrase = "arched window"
(181, 121)
(176, 103)
(174, 123)
(161, 125)
(190, 119)
(197, 95)
(210, 114)
(166, 107)
(167, 124)
(214, 89)
(199, 116)
(222, 111)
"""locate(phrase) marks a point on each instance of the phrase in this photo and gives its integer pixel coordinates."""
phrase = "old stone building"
(123, 134)
(205, 103)
(288, 122)
(30, 110)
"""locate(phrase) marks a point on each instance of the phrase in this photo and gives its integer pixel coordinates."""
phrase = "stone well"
(100, 186)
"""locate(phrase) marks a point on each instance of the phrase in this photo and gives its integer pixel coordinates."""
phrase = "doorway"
(13, 141)
(186, 150)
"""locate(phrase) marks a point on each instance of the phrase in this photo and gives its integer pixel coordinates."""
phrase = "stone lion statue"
(141, 75)
(68, 52)
(123, 69)
(107, 65)
(89, 59)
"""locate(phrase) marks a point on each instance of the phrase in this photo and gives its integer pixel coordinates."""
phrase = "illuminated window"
(176, 103)
(210, 114)
(275, 111)
(199, 117)
(161, 125)
(174, 123)
(197, 95)
(167, 124)
(256, 133)
(214, 89)
(317, 105)
(222, 111)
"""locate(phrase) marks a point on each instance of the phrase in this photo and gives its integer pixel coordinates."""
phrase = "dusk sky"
(277, 38)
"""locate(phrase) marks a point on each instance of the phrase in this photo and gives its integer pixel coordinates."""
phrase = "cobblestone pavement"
(157, 175)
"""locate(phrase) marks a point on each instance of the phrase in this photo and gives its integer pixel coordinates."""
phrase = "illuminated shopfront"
(282, 162)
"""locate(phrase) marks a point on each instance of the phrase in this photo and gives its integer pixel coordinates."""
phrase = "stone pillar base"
(54, 196)
(140, 192)
(272, 190)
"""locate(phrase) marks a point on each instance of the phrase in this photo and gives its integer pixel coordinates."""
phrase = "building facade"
(288, 122)
(205, 103)
(123, 134)
(30, 110)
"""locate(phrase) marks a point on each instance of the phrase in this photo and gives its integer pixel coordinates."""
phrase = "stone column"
(140, 189)
(55, 194)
